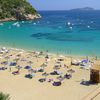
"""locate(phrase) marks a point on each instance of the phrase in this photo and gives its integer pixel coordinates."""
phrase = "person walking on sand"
(9, 68)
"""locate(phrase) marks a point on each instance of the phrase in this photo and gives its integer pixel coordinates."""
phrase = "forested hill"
(17, 10)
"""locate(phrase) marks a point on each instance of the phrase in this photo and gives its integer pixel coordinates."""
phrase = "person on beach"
(9, 68)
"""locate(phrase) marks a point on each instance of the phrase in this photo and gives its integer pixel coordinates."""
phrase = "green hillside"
(18, 9)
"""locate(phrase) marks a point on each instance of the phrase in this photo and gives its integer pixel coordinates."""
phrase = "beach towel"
(29, 76)
(67, 76)
(56, 83)
(3, 68)
(27, 67)
(15, 73)
(54, 73)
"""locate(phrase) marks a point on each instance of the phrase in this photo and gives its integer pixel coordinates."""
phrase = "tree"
(4, 96)
(15, 9)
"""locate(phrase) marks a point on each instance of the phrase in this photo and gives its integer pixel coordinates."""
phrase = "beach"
(49, 52)
(22, 88)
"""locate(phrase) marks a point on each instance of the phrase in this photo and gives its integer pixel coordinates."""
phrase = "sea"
(71, 32)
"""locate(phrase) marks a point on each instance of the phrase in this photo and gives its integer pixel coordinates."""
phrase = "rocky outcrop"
(31, 17)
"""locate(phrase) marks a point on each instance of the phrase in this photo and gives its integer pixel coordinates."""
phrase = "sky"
(64, 4)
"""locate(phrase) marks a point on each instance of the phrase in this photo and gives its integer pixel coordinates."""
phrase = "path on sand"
(92, 95)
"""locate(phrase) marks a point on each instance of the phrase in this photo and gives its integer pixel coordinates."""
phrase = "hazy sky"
(64, 4)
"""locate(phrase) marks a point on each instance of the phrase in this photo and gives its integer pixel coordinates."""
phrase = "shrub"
(4, 96)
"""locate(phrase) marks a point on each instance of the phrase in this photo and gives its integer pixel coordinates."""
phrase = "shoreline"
(28, 17)
(52, 53)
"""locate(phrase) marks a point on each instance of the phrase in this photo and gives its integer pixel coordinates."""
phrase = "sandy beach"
(21, 88)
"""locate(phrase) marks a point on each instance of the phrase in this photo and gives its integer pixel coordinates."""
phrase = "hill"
(17, 10)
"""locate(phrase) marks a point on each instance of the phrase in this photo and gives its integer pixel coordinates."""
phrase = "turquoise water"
(66, 32)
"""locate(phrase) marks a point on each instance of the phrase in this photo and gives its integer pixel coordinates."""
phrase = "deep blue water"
(67, 32)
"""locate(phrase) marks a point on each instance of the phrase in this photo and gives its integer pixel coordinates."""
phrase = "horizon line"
(66, 10)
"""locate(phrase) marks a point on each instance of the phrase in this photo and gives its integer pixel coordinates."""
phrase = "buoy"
(71, 28)
(34, 23)
(69, 23)
(88, 26)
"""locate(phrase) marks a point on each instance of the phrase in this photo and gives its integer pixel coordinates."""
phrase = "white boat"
(71, 28)
(18, 25)
(88, 26)
(34, 23)
(1, 24)
(15, 24)
(68, 23)
(23, 22)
